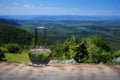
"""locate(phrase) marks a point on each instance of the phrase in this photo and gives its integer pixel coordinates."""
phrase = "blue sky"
(60, 7)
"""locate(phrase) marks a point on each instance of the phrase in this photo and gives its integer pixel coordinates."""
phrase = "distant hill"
(75, 18)
(59, 17)
(8, 21)
(11, 34)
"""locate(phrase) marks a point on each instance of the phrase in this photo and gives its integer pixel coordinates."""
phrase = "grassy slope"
(23, 57)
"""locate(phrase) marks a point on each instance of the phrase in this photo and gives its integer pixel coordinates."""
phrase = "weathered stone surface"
(24, 71)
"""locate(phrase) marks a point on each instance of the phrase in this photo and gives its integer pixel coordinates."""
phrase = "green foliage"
(93, 50)
(2, 56)
(13, 48)
(98, 50)
(98, 41)
(70, 47)
(57, 52)
(117, 53)
(3, 50)
(67, 50)
(107, 57)
(82, 52)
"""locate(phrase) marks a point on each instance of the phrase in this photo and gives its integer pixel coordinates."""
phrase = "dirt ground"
(25, 71)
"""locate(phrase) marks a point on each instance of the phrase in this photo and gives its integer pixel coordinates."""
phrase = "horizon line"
(57, 15)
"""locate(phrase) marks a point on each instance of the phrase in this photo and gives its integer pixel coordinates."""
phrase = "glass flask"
(40, 54)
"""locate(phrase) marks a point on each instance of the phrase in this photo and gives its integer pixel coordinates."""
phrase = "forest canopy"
(12, 34)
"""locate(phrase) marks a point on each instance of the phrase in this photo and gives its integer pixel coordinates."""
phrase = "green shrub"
(98, 50)
(94, 50)
(81, 53)
(2, 56)
(67, 50)
(13, 48)
(57, 52)
(3, 50)
(70, 47)
(117, 54)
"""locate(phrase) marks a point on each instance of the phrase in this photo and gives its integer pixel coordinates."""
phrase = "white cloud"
(27, 5)
(23, 5)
